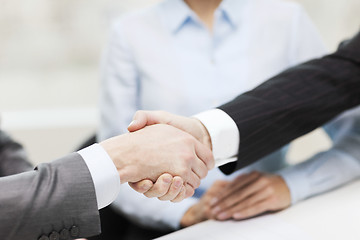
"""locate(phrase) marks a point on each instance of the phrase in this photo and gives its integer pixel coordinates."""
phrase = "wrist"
(119, 149)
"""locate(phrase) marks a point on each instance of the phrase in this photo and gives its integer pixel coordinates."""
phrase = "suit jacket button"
(64, 234)
(43, 237)
(74, 231)
(54, 236)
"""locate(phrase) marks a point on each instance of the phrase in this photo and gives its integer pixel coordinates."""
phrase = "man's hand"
(190, 125)
(250, 195)
(158, 149)
(166, 188)
(201, 211)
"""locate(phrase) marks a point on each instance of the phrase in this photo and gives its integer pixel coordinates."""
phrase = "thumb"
(146, 118)
(142, 186)
(139, 121)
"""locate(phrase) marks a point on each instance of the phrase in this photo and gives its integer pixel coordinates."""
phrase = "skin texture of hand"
(249, 195)
(158, 149)
(166, 188)
(201, 211)
(190, 125)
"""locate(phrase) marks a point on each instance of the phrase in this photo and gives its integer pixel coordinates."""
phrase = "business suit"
(55, 201)
(295, 102)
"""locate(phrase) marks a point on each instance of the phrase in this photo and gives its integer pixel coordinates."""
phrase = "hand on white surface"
(251, 194)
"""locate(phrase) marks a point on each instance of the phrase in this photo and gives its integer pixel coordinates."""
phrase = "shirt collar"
(176, 13)
(232, 11)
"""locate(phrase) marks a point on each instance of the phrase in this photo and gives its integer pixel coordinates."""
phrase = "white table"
(331, 216)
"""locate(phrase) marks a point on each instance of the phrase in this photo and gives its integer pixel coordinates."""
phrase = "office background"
(49, 67)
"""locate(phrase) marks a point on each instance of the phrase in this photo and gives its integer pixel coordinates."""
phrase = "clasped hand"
(181, 150)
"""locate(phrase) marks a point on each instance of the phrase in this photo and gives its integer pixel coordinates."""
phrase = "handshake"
(163, 155)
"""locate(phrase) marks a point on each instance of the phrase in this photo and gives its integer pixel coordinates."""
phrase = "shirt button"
(43, 237)
(54, 236)
(74, 231)
(64, 234)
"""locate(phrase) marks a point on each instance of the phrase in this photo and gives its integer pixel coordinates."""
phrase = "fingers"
(174, 190)
(193, 180)
(205, 154)
(161, 186)
(253, 210)
(265, 193)
(215, 191)
(242, 181)
(208, 197)
(246, 204)
(142, 186)
(189, 190)
(236, 185)
(199, 158)
(199, 168)
(238, 196)
(181, 196)
(166, 188)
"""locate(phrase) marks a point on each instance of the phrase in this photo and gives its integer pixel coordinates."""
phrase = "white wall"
(49, 54)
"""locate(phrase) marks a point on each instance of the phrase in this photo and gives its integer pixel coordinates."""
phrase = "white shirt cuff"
(224, 134)
(103, 172)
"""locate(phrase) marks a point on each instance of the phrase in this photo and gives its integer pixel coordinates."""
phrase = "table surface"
(332, 216)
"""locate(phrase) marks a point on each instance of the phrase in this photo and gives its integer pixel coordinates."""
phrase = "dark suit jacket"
(295, 102)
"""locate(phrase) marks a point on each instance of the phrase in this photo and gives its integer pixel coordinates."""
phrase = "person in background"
(13, 158)
(186, 56)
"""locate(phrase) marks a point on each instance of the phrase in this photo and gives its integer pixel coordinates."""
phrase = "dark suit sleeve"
(295, 102)
(13, 158)
(56, 197)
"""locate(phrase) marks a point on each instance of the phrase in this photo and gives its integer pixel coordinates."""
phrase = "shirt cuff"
(103, 172)
(297, 181)
(224, 134)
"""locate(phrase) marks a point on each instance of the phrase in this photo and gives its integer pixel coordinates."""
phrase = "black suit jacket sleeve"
(295, 102)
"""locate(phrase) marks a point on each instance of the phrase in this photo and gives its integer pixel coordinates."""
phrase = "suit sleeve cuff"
(224, 135)
(103, 172)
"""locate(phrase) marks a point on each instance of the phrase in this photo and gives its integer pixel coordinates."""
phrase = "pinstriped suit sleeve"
(53, 197)
(295, 102)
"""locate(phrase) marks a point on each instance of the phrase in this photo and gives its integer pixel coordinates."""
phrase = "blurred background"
(49, 67)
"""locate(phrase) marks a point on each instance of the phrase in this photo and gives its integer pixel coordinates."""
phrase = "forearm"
(294, 103)
(62, 188)
(323, 172)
